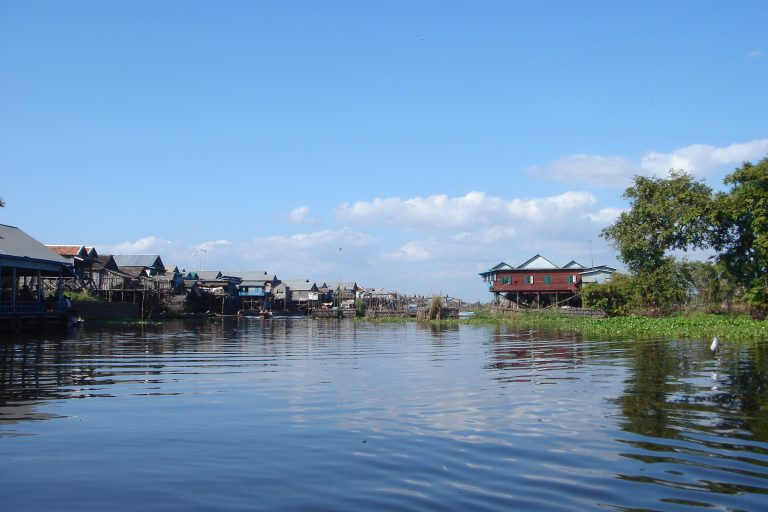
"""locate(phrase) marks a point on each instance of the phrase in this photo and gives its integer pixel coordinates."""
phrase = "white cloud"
(319, 254)
(755, 54)
(471, 212)
(589, 169)
(701, 159)
(146, 245)
(411, 251)
(212, 245)
(605, 216)
(698, 159)
(300, 215)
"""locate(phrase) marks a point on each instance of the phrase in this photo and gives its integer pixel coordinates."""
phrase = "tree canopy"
(741, 230)
(665, 214)
(681, 213)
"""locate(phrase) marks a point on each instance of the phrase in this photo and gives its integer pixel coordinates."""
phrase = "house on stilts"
(31, 278)
(540, 283)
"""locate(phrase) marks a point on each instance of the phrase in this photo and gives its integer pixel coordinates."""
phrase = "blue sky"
(403, 145)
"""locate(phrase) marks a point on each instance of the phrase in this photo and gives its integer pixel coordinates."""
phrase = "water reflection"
(702, 418)
(299, 414)
(521, 356)
(673, 387)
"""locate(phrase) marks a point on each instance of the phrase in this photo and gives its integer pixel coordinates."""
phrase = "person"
(26, 293)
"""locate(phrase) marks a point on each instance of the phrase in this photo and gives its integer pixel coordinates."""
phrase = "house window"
(570, 279)
(547, 279)
(528, 279)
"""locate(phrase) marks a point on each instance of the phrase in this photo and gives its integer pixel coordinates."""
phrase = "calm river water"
(298, 414)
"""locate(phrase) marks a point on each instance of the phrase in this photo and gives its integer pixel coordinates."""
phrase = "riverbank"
(704, 326)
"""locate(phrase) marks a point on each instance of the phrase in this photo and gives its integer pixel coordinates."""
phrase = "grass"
(704, 326)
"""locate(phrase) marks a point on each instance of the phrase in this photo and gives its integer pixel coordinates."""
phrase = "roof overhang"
(27, 263)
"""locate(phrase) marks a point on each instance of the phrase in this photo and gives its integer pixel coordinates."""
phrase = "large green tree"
(665, 214)
(741, 231)
(709, 284)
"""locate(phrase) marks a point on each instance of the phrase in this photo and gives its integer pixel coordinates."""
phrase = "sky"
(402, 145)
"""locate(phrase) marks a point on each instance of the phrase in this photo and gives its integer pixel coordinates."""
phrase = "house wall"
(515, 281)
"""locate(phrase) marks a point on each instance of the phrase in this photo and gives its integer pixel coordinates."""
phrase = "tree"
(709, 284)
(616, 297)
(665, 214)
(741, 232)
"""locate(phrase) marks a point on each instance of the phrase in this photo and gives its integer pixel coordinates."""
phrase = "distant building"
(539, 283)
(297, 294)
(82, 257)
(255, 289)
(140, 264)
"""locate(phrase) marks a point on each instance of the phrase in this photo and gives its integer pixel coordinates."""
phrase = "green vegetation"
(728, 327)
(82, 296)
(387, 320)
(360, 308)
(732, 328)
(679, 213)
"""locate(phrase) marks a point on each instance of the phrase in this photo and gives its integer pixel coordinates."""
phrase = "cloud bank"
(472, 211)
(617, 172)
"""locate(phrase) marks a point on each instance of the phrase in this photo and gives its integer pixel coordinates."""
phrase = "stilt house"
(539, 283)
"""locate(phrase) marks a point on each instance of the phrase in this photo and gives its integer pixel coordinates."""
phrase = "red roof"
(66, 250)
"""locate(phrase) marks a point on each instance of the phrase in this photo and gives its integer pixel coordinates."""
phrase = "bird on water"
(715, 344)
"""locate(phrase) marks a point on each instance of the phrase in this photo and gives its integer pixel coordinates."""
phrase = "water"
(325, 415)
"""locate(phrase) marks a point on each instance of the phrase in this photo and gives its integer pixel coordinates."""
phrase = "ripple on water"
(303, 414)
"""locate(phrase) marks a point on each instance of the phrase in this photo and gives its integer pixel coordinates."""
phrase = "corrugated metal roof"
(208, 275)
(15, 242)
(138, 260)
(105, 262)
(538, 262)
(249, 275)
(299, 284)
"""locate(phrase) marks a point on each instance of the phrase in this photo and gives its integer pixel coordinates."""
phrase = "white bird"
(715, 344)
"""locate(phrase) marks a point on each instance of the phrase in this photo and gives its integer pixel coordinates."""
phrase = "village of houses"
(38, 280)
